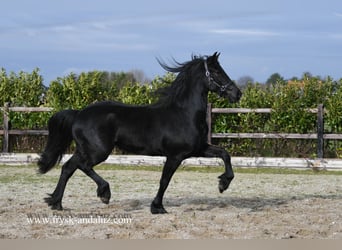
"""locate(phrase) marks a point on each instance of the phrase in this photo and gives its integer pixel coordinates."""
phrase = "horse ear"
(216, 55)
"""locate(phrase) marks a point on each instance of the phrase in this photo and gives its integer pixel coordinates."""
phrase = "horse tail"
(59, 139)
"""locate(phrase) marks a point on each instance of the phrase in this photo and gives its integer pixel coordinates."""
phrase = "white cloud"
(62, 28)
(244, 32)
(98, 35)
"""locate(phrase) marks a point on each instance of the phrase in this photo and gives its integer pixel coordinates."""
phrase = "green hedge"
(288, 99)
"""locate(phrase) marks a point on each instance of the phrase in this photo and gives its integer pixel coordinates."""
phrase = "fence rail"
(6, 132)
(319, 135)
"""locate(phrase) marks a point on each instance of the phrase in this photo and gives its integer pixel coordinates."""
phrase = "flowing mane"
(177, 90)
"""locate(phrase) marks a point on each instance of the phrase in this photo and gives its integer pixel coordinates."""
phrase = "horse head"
(218, 80)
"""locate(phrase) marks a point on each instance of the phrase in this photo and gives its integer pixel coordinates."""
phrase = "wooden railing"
(320, 136)
(6, 132)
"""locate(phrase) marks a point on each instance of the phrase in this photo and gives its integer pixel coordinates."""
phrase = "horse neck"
(194, 96)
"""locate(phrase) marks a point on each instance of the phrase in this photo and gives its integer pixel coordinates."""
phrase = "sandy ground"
(257, 206)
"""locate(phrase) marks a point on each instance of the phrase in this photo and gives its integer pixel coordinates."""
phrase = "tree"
(307, 75)
(139, 76)
(274, 78)
(244, 80)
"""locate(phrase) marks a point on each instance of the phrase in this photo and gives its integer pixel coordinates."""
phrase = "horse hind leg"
(93, 150)
(55, 199)
(103, 189)
(91, 160)
(77, 162)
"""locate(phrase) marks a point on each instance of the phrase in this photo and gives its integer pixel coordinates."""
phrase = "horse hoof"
(158, 209)
(105, 200)
(224, 182)
(104, 193)
(57, 207)
(54, 205)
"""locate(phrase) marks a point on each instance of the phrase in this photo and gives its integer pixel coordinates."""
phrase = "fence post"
(6, 127)
(320, 131)
(209, 121)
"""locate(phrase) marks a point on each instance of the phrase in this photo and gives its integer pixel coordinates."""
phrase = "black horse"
(174, 127)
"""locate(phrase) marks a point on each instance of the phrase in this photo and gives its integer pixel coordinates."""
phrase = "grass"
(200, 169)
(24, 178)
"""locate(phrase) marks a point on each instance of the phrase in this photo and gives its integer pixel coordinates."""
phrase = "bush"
(23, 89)
(288, 99)
(76, 92)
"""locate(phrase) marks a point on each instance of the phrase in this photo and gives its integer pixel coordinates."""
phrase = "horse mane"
(178, 88)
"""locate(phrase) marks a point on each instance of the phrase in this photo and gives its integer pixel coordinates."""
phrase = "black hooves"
(224, 182)
(53, 203)
(157, 209)
(104, 193)
(105, 200)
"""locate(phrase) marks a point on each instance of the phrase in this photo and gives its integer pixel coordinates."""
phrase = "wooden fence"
(6, 132)
(320, 136)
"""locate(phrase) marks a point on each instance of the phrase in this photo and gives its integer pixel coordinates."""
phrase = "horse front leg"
(228, 175)
(169, 169)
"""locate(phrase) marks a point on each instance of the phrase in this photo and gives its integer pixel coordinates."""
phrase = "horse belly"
(137, 142)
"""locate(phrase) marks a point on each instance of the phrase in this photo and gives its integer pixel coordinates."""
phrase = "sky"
(256, 38)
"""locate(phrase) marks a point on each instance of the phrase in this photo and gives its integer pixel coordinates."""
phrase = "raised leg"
(169, 169)
(68, 169)
(103, 189)
(228, 175)
(94, 149)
